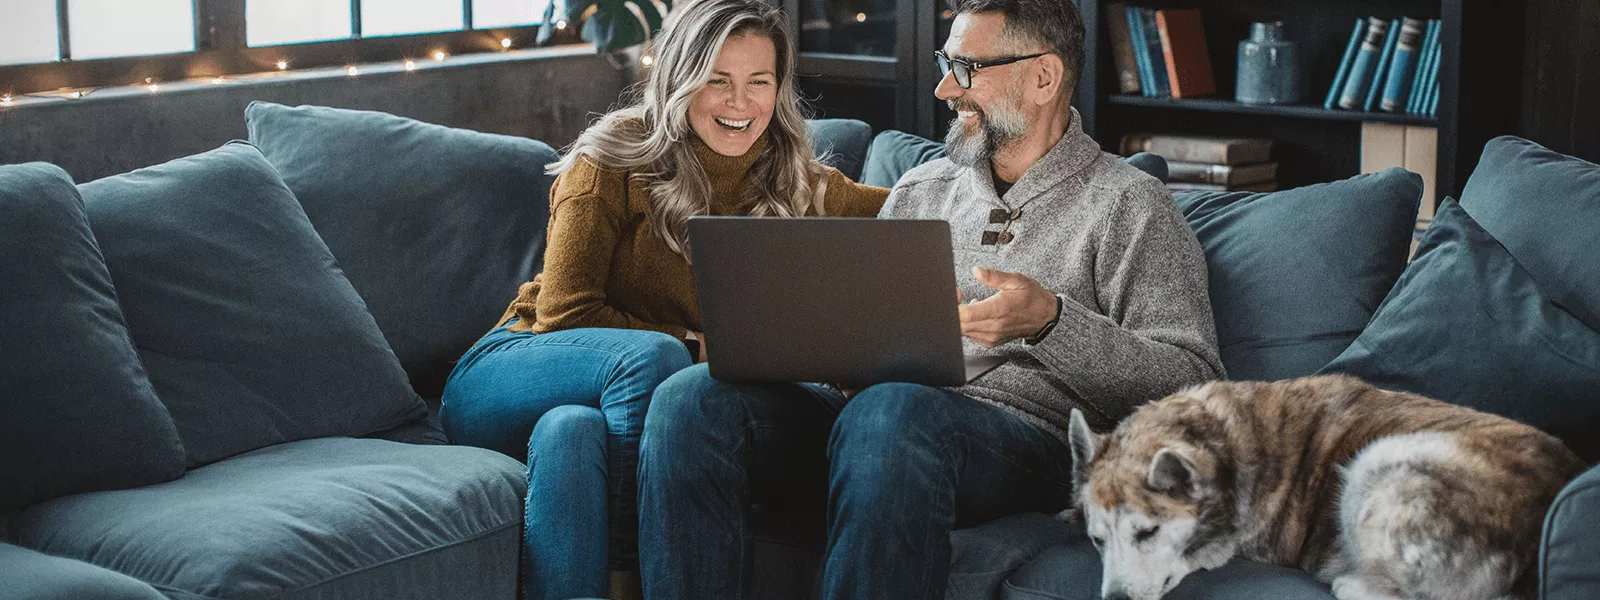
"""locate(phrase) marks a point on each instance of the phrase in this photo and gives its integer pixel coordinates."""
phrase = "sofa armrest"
(1569, 556)
(30, 575)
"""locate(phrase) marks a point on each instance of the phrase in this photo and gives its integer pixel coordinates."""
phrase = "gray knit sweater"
(1136, 324)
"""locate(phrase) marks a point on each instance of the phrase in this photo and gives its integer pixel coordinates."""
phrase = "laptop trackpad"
(978, 365)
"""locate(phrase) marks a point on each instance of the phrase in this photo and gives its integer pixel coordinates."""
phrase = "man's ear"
(1084, 445)
(1172, 474)
(1050, 79)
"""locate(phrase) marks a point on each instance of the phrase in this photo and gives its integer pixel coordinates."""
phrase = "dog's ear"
(1172, 474)
(1084, 444)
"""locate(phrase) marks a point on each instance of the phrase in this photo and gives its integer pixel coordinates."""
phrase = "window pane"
(28, 32)
(860, 27)
(398, 17)
(107, 28)
(507, 13)
(272, 22)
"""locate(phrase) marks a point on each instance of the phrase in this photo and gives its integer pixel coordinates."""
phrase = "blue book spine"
(1140, 58)
(1355, 90)
(1433, 100)
(1397, 84)
(1414, 105)
(1158, 59)
(1430, 80)
(1382, 70)
(1344, 64)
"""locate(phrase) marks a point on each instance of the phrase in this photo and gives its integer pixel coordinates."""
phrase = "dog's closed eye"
(1145, 534)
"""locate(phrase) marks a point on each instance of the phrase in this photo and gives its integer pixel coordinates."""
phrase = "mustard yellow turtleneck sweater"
(604, 264)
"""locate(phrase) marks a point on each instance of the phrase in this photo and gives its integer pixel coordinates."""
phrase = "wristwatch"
(1048, 327)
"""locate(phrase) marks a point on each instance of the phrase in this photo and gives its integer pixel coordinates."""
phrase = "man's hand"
(1021, 309)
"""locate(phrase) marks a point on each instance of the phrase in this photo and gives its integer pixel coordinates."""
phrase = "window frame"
(221, 49)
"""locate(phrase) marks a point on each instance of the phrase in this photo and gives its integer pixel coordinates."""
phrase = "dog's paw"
(1071, 515)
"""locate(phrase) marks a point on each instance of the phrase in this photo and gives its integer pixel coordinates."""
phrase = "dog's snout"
(1118, 596)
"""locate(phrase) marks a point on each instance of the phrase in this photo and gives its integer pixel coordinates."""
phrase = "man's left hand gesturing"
(1020, 310)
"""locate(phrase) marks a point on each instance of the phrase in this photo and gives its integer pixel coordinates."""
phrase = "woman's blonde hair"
(652, 137)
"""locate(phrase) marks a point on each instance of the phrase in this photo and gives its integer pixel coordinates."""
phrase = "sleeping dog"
(1380, 494)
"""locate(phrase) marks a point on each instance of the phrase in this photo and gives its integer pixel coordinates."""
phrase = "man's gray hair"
(1056, 24)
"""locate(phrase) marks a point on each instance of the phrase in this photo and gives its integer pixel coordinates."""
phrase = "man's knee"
(884, 418)
(691, 401)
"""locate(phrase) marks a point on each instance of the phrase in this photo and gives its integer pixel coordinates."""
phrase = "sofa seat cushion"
(1035, 557)
(1295, 275)
(840, 143)
(321, 518)
(435, 226)
(74, 395)
(1472, 325)
(30, 575)
(247, 327)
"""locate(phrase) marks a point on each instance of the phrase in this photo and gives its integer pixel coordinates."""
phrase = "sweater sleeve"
(587, 212)
(846, 198)
(1156, 335)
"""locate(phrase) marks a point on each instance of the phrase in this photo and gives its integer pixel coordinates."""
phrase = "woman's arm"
(846, 198)
(587, 211)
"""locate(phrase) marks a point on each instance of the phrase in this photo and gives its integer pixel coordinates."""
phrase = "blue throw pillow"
(1470, 324)
(1544, 207)
(79, 413)
(1295, 275)
(841, 143)
(249, 331)
(436, 227)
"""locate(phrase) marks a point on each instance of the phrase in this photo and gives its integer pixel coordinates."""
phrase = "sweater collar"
(1070, 156)
(718, 166)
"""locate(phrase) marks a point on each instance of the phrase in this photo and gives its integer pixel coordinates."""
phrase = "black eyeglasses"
(963, 68)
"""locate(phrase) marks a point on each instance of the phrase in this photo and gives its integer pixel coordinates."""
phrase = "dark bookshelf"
(1300, 111)
(1478, 82)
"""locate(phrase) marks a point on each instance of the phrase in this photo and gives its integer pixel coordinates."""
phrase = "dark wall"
(1561, 84)
(548, 98)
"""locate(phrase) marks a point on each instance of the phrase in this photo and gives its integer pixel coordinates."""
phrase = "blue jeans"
(573, 403)
(898, 468)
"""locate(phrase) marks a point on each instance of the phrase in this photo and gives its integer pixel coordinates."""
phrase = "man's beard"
(997, 129)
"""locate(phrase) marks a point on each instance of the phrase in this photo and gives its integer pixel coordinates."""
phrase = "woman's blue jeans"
(572, 402)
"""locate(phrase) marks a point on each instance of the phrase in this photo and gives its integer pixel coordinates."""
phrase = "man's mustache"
(960, 105)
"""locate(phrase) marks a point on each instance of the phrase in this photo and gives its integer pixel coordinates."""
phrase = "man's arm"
(1157, 334)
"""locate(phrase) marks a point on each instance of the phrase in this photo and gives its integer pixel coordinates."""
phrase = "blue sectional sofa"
(219, 372)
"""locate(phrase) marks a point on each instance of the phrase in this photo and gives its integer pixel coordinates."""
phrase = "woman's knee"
(653, 354)
(568, 427)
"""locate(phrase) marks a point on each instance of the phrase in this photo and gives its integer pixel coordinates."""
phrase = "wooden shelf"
(1299, 111)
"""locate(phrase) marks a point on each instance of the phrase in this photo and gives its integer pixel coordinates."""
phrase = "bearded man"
(1079, 270)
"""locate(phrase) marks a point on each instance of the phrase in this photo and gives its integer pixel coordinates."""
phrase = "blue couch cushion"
(323, 518)
(841, 143)
(893, 153)
(1544, 208)
(436, 227)
(1469, 324)
(1035, 557)
(249, 332)
(29, 575)
(1569, 558)
(79, 413)
(1295, 275)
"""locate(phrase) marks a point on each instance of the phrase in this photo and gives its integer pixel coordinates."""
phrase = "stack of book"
(1160, 53)
(1210, 163)
(1391, 66)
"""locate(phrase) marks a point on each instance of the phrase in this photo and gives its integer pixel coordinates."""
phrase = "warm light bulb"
(283, 65)
(505, 43)
(217, 81)
(439, 55)
(77, 95)
(352, 71)
(5, 100)
(153, 88)
(411, 65)
(562, 24)
(861, 17)
(647, 60)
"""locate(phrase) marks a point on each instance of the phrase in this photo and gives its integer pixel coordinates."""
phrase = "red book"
(1183, 45)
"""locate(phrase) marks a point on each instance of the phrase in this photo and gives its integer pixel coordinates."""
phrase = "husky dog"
(1380, 494)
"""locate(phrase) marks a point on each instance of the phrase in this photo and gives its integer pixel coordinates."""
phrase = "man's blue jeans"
(573, 403)
(898, 467)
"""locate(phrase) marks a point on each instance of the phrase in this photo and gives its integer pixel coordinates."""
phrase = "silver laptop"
(851, 302)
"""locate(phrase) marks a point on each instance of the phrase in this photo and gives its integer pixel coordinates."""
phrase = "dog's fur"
(1380, 494)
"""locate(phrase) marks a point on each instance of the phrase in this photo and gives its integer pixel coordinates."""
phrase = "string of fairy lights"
(283, 66)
